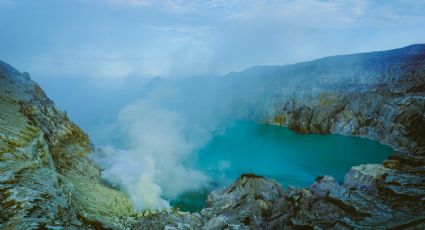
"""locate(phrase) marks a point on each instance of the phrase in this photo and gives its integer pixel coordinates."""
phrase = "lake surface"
(278, 153)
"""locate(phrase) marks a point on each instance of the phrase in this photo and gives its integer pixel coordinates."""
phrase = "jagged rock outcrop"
(254, 202)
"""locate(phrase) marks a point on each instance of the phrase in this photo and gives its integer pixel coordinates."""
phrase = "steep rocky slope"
(45, 177)
(47, 181)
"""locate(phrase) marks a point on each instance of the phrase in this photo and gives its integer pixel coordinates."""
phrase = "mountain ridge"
(417, 48)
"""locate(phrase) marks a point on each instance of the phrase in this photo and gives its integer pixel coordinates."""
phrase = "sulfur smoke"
(162, 132)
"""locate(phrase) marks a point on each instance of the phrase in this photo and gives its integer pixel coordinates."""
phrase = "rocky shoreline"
(47, 181)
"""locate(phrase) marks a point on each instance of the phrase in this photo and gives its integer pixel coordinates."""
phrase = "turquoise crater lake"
(280, 154)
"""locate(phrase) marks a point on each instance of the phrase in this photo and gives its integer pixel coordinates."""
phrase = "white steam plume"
(163, 132)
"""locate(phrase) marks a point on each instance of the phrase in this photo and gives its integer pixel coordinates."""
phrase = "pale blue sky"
(143, 38)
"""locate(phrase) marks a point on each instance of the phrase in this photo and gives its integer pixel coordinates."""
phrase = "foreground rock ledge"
(363, 201)
(47, 182)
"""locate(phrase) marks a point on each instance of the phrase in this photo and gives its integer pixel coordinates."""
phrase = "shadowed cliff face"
(380, 97)
(46, 179)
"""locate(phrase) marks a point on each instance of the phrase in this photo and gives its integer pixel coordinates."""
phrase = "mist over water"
(161, 133)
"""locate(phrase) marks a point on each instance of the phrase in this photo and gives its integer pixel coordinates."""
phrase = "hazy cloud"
(175, 38)
(134, 3)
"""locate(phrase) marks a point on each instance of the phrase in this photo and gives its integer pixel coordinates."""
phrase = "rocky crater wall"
(47, 181)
